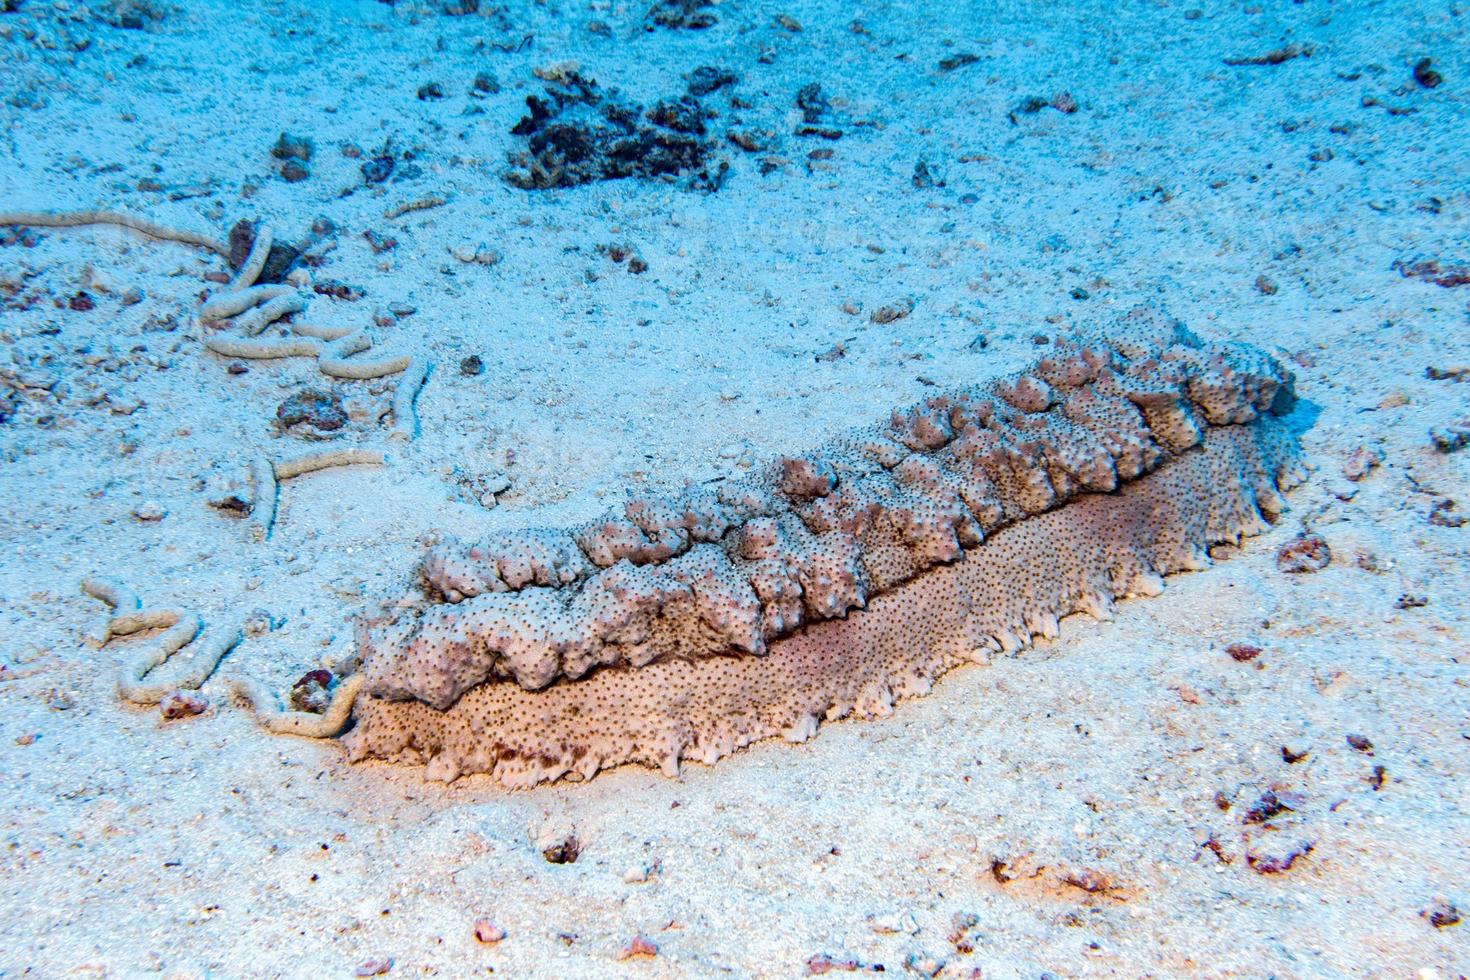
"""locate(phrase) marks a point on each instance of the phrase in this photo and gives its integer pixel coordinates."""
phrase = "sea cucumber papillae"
(839, 581)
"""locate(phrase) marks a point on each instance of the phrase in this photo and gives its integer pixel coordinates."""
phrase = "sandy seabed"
(1080, 809)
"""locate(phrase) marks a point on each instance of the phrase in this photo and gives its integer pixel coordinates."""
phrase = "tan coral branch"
(75, 219)
(419, 204)
(119, 598)
(322, 331)
(254, 263)
(250, 348)
(311, 462)
(181, 627)
(230, 303)
(336, 360)
(279, 721)
(265, 476)
(254, 321)
(263, 502)
(405, 419)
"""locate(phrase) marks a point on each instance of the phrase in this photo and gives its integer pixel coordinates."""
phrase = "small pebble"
(471, 366)
(150, 511)
(182, 704)
(290, 147)
(1442, 914)
(312, 692)
(1308, 553)
(488, 932)
(480, 254)
(893, 311)
(58, 700)
(1360, 462)
(893, 922)
(1243, 652)
(639, 946)
(374, 968)
(564, 851)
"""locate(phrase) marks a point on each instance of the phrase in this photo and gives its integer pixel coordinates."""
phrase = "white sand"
(204, 847)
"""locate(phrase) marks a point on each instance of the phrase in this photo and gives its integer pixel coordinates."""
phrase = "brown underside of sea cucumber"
(839, 581)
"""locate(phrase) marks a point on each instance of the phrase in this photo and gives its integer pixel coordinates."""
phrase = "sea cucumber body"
(448, 691)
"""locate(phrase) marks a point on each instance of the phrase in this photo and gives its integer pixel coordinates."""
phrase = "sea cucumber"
(839, 581)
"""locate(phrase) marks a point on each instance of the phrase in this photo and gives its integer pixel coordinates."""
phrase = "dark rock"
(1425, 75)
(378, 169)
(706, 79)
(812, 103)
(290, 147)
(683, 116)
(321, 410)
(577, 133)
(338, 290)
(689, 15)
(564, 851)
(1442, 915)
(312, 691)
(242, 237)
(278, 262)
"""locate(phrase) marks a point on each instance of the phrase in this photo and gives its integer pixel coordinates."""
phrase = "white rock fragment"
(474, 254)
(893, 922)
(150, 511)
